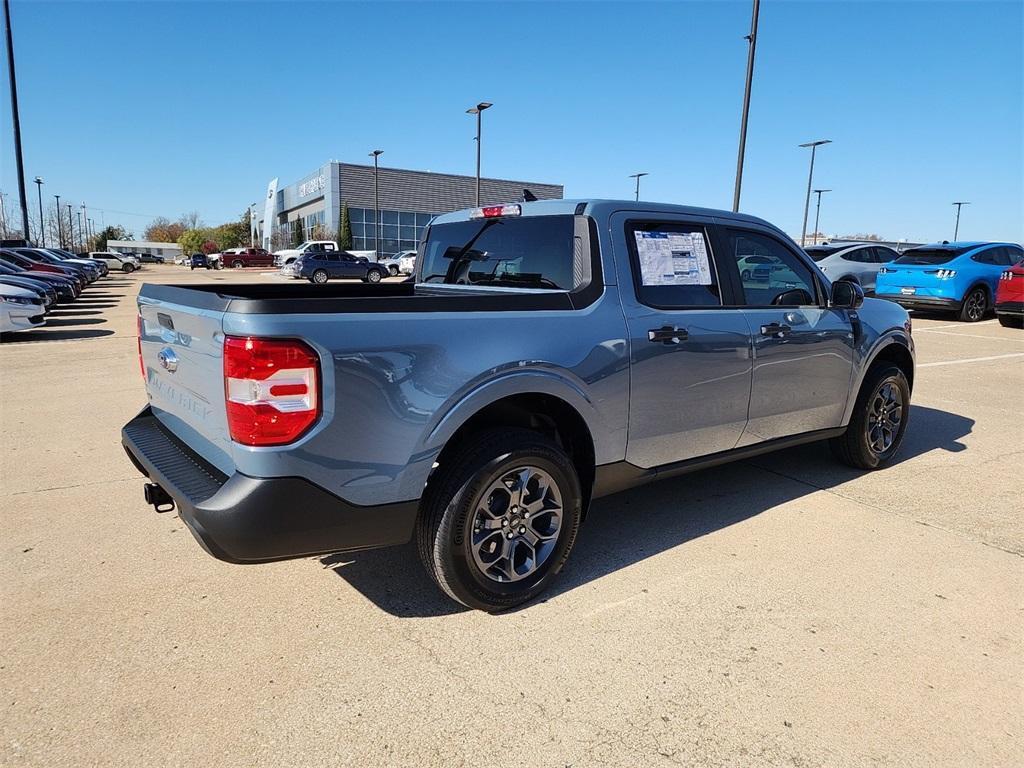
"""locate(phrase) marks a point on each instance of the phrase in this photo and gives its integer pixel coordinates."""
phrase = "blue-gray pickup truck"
(543, 354)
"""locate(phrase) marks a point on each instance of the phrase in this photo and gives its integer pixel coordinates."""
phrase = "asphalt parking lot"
(784, 610)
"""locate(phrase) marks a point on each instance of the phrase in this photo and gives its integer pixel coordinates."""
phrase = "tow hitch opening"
(158, 497)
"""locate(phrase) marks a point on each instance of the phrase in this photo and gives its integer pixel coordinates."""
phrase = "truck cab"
(288, 255)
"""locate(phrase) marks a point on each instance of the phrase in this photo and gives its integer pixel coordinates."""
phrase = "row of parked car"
(969, 279)
(34, 280)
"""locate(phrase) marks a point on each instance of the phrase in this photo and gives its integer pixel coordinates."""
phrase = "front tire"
(974, 306)
(126, 268)
(319, 277)
(393, 270)
(499, 519)
(879, 420)
(237, 264)
(373, 276)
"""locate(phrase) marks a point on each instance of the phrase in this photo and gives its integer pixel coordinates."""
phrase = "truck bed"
(301, 298)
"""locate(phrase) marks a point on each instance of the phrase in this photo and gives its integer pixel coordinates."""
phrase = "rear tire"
(478, 527)
(1011, 321)
(237, 264)
(879, 420)
(974, 306)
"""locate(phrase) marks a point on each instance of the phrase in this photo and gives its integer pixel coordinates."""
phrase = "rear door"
(803, 350)
(348, 266)
(690, 355)
(182, 360)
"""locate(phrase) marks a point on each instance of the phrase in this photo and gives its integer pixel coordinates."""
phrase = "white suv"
(115, 260)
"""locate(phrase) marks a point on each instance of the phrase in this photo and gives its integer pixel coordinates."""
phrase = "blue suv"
(958, 277)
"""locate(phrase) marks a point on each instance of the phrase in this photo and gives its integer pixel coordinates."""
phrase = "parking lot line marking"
(970, 335)
(971, 360)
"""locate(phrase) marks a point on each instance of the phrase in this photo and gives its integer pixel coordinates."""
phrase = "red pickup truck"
(246, 257)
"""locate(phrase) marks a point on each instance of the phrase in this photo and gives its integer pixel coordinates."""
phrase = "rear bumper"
(1014, 308)
(242, 519)
(921, 302)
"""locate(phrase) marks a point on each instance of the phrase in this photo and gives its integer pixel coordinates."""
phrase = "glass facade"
(399, 230)
(313, 226)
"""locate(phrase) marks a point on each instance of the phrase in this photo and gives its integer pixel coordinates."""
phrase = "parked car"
(10, 256)
(319, 267)
(130, 256)
(247, 257)
(526, 371)
(394, 263)
(20, 309)
(88, 269)
(1010, 297)
(114, 260)
(407, 262)
(45, 291)
(288, 255)
(956, 277)
(64, 287)
(858, 262)
(151, 258)
(200, 261)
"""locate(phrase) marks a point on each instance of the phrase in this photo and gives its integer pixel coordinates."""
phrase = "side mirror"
(794, 297)
(847, 294)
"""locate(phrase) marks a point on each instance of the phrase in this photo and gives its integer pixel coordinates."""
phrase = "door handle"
(667, 334)
(775, 330)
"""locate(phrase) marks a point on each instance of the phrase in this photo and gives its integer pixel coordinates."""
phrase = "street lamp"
(81, 235)
(376, 203)
(959, 204)
(817, 211)
(807, 203)
(60, 227)
(478, 110)
(637, 177)
(751, 45)
(71, 226)
(42, 225)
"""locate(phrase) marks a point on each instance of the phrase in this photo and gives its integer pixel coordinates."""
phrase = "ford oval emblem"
(168, 360)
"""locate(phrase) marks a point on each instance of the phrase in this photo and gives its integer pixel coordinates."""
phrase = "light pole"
(817, 211)
(637, 177)
(376, 203)
(959, 204)
(90, 227)
(16, 119)
(478, 110)
(60, 227)
(81, 235)
(752, 44)
(71, 227)
(807, 203)
(42, 226)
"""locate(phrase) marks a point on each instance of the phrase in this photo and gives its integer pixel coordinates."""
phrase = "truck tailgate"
(182, 351)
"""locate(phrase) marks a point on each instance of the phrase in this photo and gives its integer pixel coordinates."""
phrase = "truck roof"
(597, 207)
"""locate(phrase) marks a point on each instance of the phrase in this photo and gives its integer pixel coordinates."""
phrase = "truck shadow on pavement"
(631, 526)
(25, 336)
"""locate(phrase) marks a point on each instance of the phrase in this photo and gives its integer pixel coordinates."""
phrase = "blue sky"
(158, 108)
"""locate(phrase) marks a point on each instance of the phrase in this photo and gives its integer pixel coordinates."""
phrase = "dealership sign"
(313, 186)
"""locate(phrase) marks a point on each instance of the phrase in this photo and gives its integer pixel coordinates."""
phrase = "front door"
(690, 357)
(803, 350)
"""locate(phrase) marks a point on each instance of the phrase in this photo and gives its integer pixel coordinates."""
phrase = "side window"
(988, 256)
(1006, 254)
(1016, 254)
(771, 274)
(328, 257)
(672, 265)
(885, 255)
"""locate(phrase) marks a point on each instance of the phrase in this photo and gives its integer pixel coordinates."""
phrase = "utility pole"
(376, 203)
(478, 110)
(959, 204)
(817, 212)
(60, 226)
(22, 197)
(71, 227)
(637, 177)
(751, 46)
(810, 176)
(42, 224)
(81, 235)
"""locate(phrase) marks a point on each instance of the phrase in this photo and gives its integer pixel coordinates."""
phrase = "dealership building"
(407, 200)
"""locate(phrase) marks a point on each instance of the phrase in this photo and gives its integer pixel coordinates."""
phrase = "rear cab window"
(529, 252)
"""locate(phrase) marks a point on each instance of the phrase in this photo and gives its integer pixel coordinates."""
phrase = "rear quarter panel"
(396, 386)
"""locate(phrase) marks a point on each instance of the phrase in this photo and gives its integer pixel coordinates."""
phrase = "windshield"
(533, 252)
(819, 252)
(928, 256)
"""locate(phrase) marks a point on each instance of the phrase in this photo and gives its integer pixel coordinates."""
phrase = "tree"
(345, 230)
(298, 234)
(98, 242)
(163, 230)
(209, 247)
(191, 241)
(191, 220)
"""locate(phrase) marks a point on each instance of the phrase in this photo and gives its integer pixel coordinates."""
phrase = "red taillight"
(271, 388)
(142, 365)
(495, 211)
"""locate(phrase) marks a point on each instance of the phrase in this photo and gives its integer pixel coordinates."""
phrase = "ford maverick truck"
(542, 355)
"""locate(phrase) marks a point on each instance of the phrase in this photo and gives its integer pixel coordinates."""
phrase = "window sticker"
(673, 258)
